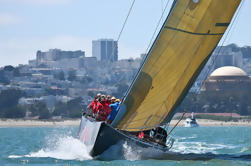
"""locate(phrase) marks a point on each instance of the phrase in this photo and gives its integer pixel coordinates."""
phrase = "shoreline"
(212, 123)
(37, 123)
(76, 122)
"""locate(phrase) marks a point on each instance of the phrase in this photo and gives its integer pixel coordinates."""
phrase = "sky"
(30, 25)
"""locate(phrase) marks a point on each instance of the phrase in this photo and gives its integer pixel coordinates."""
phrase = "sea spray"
(66, 148)
(62, 147)
(131, 153)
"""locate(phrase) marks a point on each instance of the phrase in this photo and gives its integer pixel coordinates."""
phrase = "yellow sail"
(186, 41)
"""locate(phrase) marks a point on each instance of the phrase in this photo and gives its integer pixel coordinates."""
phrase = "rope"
(125, 20)
(161, 18)
(128, 14)
(120, 33)
(150, 43)
(176, 124)
(156, 28)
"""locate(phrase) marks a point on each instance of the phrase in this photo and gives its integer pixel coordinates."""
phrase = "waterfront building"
(105, 50)
(228, 78)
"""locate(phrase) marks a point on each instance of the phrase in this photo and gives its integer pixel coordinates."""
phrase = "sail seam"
(194, 33)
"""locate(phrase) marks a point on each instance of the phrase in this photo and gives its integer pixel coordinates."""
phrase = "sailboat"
(188, 36)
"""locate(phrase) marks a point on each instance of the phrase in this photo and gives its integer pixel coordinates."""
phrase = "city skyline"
(27, 26)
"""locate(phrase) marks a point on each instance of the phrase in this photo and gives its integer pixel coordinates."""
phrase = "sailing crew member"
(108, 100)
(160, 135)
(114, 111)
(93, 104)
(106, 103)
(100, 109)
(103, 109)
(141, 134)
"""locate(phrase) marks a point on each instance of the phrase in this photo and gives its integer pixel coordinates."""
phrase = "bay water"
(56, 146)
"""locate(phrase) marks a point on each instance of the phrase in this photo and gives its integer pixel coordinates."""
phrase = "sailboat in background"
(184, 44)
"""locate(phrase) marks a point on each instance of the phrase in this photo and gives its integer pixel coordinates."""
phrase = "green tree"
(3, 79)
(13, 112)
(74, 107)
(10, 97)
(39, 109)
(9, 103)
(8, 68)
(60, 109)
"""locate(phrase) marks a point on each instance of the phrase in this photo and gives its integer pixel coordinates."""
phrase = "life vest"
(141, 134)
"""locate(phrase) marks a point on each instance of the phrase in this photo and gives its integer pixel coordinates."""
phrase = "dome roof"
(228, 71)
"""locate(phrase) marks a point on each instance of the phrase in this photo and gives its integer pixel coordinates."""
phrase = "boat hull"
(190, 123)
(100, 136)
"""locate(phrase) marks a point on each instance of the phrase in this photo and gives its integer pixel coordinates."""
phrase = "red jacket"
(99, 107)
(103, 110)
(100, 112)
(92, 106)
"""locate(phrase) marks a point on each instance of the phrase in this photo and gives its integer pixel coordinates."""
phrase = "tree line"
(218, 102)
(10, 108)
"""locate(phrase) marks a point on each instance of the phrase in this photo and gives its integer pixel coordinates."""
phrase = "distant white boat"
(191, 122)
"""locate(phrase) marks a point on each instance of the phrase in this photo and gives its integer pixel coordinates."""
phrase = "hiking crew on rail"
(104, 107)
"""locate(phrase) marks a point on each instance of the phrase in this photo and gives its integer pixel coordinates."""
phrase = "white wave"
(198, 147)
(186, 138)
(244, 149)
(131, 153)
(65, 148)
(14, 156)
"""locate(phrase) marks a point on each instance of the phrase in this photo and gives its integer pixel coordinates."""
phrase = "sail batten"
(185, 43)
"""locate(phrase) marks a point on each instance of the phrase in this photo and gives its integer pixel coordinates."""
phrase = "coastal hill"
(60, 84)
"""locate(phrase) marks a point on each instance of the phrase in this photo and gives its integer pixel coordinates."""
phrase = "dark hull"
(107, 136)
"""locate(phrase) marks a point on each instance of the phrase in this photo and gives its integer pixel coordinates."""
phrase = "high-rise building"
(228, 56)
(105, 50)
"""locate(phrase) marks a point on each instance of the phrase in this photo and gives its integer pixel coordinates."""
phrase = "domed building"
(227, 78)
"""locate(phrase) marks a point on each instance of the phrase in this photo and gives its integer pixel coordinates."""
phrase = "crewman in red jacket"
(108, 100)
(92, 105)
(101, 113)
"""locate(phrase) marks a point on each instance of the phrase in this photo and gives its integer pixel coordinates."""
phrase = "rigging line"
(176, 124)
(162, 7)
(149, 46)
(224, 40)
(156, 28)
(126, 20)
(120, 33)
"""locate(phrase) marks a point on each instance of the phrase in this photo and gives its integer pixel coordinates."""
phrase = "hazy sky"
(30, 25)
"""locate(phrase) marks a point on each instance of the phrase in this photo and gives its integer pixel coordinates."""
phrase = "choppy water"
(40, 146)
